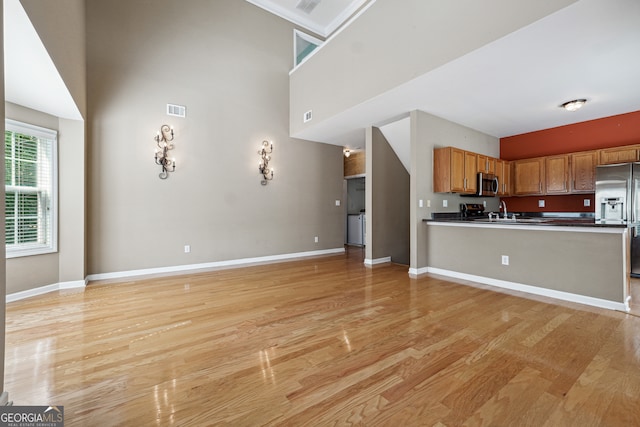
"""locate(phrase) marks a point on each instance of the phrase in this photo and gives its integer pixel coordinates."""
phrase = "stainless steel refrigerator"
(617, 201)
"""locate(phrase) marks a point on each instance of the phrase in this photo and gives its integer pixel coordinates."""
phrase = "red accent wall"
(568, 203)
(613, 131)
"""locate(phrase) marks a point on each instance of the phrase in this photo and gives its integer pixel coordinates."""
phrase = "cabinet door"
(458, 183)
(486, 164)
(583, 172)
(609, 156)
(448, 170)
(556, 169)
(528, 175)
(470, 172)
(503, 172)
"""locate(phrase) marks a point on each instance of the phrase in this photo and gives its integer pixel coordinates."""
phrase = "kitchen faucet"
(504, 208)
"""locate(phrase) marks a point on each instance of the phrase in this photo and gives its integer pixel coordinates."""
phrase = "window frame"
(29, 249)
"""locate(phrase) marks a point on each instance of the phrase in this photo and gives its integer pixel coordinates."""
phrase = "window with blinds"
(30, 189)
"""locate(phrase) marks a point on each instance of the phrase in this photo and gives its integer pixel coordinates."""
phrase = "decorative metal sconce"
(265, 158)
(163, 140)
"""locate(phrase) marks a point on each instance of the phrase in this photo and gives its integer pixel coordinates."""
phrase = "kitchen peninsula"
(581, 262)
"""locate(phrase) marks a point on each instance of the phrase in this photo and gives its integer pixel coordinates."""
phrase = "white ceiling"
(323, 20)
(515, 85)
(30, 77)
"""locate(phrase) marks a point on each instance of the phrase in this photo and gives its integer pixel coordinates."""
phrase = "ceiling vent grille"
(176, 110)
(307, 6)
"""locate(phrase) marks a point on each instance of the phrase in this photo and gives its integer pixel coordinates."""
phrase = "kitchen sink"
(513, 220)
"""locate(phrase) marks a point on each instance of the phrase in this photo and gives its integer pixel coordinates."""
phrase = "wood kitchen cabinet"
(454, 170)
(556, 174)
(583, 171)
(486, 164)
(503, 172)
(609, 156)
(528, 176)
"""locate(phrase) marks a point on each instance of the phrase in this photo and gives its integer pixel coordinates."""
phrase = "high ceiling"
(321, 17)
(515, 85)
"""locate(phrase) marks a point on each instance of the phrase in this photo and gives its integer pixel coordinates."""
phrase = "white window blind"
(30, 189)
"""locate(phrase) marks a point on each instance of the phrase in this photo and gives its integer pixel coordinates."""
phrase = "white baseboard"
(45, 289)
(418, 271)
(565, 296)
(376, 261)
(211, 265)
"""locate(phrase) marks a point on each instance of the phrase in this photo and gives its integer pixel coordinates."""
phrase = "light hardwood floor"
(320, 342)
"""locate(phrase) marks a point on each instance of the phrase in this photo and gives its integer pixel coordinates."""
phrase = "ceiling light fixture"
(574, 105)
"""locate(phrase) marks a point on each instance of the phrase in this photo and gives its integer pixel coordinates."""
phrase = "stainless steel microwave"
(487, 184)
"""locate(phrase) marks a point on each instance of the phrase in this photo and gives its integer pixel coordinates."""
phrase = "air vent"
(307, 6)
(176, 110)
(307, 116)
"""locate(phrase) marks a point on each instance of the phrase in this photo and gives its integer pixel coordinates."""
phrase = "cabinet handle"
(465, 183)
(540, 187)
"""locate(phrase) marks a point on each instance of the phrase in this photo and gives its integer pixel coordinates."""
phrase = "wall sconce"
(265, 158)
(163, 140)
(346, 152)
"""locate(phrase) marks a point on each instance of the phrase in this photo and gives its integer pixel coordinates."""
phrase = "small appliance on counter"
(471, 210)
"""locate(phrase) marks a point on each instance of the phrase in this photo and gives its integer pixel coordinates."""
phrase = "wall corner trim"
(77, 284)
(565, 296)
(243, 262)
(377, 261)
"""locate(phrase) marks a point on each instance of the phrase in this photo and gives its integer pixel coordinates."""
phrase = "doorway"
(355, 221)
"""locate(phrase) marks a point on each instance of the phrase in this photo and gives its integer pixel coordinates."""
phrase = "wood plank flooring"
(317, 342)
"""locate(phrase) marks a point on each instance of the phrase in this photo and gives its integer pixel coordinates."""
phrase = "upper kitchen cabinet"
(528, 176)
(486, 164)
(503, 173)
(583, 171)
(609, 156)
(556, 174)
(454, 170)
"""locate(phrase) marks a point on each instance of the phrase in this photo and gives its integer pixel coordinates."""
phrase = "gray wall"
(429, 132)
(583, 263)
(355, 195)
(228, 62)
(413, 36)
(387, 201)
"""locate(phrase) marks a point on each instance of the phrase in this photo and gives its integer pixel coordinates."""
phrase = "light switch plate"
(337, 202)
(445, 203)
(541, 203)
(587, 202)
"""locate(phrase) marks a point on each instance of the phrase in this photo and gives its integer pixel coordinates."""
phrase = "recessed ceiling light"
(574, 105)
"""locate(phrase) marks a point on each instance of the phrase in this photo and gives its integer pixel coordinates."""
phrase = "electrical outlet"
(420, 203)
(428, 203)
(505, 259)
(484, 203)
(316, 239)
(587, 202)
(187, 249)
(445, 203)
(337, 202)
(541, 203)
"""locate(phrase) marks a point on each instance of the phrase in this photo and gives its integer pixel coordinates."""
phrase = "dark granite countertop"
(535, 218)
